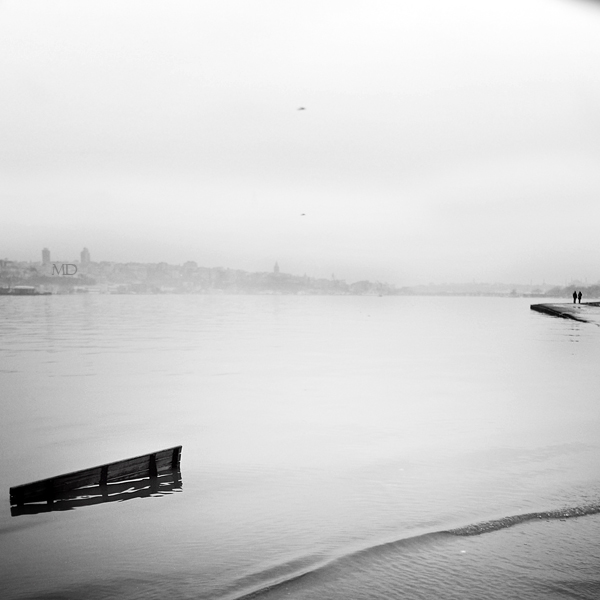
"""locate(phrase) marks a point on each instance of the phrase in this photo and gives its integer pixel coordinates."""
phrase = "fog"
(438, 141)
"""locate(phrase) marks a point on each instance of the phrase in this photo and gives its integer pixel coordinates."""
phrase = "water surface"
(328, 442)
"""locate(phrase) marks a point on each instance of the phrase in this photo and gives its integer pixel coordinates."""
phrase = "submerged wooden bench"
(139, 467)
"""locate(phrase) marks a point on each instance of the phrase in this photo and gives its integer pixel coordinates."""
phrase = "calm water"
(328, 442)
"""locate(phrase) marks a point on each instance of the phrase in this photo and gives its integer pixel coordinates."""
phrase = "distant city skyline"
(85, 260)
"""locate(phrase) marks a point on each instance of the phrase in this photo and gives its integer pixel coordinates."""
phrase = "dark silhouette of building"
(45, 256)
(85, 257)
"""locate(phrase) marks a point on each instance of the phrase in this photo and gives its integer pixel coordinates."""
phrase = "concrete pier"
(586, 312)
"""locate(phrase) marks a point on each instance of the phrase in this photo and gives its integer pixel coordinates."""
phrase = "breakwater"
(575, 312)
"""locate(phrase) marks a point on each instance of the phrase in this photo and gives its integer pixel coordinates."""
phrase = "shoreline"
(505, 522)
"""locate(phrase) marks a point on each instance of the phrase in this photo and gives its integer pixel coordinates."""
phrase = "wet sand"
(494, 525)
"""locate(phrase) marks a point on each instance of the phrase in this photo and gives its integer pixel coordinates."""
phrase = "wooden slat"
(130, 469)
(39, 490)
(126, 470)
(137, 467)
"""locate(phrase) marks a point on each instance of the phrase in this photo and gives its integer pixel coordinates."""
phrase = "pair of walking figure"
(577, 296)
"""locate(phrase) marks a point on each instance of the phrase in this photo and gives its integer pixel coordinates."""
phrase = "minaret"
(45, 256)
(85, 257)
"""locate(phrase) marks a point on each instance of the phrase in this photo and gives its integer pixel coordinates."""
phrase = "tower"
(45, 256)
(276, 268)
(85, 257)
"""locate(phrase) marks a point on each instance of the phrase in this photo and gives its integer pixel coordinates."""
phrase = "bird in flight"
(302, 108)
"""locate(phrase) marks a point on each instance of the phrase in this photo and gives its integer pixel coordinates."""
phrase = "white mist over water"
(312, 427)
(441, 141)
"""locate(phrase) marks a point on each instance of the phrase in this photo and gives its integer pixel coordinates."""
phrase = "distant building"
(23, 290)
(85, 257)
(276, 268)
(45, 256)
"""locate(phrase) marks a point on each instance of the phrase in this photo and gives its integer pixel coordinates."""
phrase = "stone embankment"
(586, 312)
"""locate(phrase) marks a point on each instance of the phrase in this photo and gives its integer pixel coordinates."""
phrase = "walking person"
(579, 296)
(574, 296)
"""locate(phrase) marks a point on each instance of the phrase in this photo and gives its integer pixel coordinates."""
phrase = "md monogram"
(65, 269)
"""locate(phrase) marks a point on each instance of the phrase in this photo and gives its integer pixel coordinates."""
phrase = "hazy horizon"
(268, 268)
(439, 142)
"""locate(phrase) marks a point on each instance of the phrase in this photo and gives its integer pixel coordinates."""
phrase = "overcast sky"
(442, 140)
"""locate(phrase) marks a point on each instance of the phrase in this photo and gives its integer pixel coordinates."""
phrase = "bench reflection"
(165, 483)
